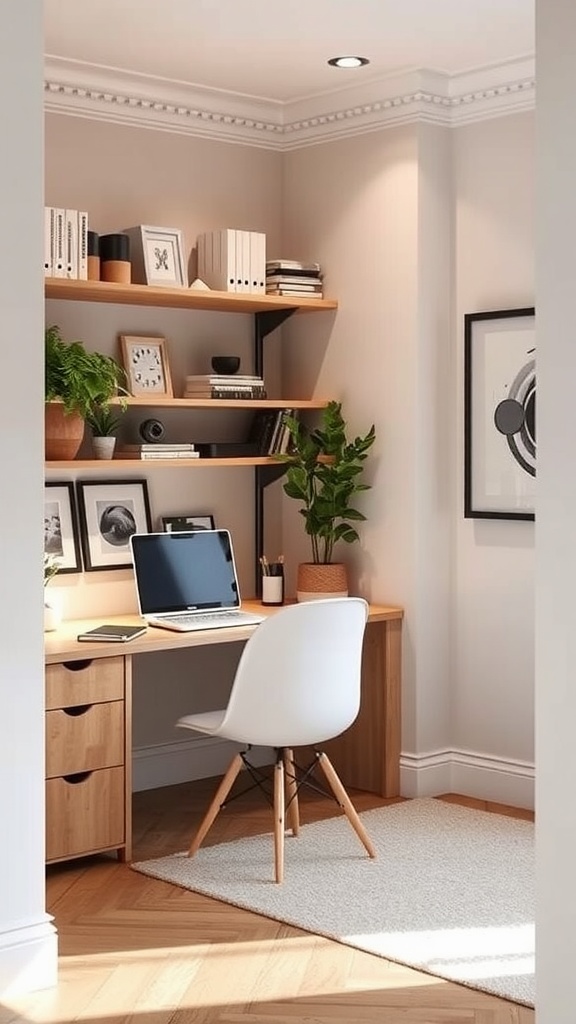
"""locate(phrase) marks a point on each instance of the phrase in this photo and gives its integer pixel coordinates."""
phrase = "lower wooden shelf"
(121, 465)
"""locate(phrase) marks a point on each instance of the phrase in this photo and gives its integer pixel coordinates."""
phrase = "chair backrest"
(298, 679)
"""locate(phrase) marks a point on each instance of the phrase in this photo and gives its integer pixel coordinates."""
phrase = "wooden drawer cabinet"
(88, 778)
(84, 813)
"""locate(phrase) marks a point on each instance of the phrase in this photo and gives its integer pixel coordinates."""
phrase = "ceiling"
(276, 50)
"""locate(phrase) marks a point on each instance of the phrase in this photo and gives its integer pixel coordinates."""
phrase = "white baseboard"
(471, 774)
(169, 764)
(28, 958)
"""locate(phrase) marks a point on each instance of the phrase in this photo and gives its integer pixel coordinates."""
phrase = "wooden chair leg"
(345, 803)
(291, 791)
(219, 799)
(279, 819)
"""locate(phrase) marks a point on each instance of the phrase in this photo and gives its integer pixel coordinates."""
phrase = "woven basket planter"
(317, 581)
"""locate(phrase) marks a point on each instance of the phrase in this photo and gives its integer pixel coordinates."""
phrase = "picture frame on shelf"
(110, 512)
(157, 256)
(173, 524)
(145, 360)
(500, 414)
(61, 533)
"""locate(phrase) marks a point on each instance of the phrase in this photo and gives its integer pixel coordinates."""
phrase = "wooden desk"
(89, 725)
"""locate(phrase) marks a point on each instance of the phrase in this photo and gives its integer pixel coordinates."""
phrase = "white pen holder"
(273, 585)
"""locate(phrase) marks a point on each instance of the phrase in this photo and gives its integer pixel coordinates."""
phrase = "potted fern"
(323, 472)
(77, 384)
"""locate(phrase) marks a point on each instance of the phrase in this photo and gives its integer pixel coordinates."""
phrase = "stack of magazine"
(218, 385)
(291, 277)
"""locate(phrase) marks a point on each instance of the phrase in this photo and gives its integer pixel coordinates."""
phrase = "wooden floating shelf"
(226, 403)
(121, 465)
(179, 298)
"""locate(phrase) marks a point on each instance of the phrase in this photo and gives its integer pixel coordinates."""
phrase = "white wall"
(556, 526)
(27, 938)
(493, 691)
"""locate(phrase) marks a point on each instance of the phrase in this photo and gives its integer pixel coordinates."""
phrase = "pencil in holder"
(273, 583)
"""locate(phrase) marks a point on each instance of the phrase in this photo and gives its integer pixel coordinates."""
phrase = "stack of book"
(269, 432)
(290, 277)
(218, 385)
(157, 450)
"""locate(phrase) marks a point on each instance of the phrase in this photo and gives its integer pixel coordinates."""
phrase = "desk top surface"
(62, 645)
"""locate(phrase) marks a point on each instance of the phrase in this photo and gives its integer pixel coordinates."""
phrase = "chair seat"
(208, 722)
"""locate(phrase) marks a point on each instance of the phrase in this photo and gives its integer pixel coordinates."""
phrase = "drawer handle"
(73, 780)
(77, 666)
(75, 712)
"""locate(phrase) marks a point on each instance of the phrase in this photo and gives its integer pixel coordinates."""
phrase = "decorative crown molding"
(105, 94)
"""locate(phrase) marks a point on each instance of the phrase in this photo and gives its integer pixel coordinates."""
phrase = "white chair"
(297, 684)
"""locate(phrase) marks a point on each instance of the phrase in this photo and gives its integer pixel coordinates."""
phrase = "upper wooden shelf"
(179, 298)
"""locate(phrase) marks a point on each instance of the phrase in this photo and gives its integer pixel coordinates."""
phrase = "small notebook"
(112, 633)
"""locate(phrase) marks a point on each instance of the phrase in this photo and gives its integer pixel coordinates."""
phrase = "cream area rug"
(451, 891)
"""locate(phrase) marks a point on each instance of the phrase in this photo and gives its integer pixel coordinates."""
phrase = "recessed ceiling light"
(348, 62)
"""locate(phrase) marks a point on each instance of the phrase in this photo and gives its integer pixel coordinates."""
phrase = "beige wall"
(494, 585)
(416, 226)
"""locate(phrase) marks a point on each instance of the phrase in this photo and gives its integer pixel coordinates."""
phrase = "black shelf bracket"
(265, 323)
(263, 475)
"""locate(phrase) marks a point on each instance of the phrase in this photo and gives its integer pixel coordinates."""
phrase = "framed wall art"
(500, 414)
(171, 524)
(61, 537)
(110, 512)
(157, 256)
(145, 360)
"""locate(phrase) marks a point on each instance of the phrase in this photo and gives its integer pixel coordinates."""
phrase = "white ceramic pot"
(52, 612)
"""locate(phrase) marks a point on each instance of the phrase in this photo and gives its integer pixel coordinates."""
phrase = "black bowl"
(225, 364)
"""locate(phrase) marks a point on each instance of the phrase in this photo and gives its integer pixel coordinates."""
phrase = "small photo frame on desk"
(61, 537)
(145, 360)
(110, 512)
(173, 524)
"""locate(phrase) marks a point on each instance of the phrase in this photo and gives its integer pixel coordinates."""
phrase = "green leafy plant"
(323, 472)
(51, 566)
(103, 420)
(83, 381)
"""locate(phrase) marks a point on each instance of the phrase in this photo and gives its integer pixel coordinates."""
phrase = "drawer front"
(84, 682)
(84, 737)
(85, 813)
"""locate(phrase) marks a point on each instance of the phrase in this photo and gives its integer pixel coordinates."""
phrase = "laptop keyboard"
(208, 620)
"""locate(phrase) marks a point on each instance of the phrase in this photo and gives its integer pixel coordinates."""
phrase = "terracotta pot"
(62, 434)
(317, 581)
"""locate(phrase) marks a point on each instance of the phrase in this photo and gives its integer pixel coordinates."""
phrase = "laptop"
(187, 580)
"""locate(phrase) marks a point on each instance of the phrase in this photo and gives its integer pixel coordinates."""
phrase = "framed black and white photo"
(145, 360)
(61, 538)
(500, 414)
(157, 256)
(172, 524)
(110, 512)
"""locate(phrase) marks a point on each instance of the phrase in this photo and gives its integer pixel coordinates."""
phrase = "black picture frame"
(192, 521)
(61, 533)
(500, 414)
(110, 512)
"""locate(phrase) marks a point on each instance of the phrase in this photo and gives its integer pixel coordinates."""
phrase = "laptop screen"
(178, 572)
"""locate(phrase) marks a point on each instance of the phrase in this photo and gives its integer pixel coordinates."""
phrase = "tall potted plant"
(323, 473)
(76, 383)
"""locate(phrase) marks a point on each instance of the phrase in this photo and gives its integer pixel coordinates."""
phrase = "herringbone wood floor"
(133, 949)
